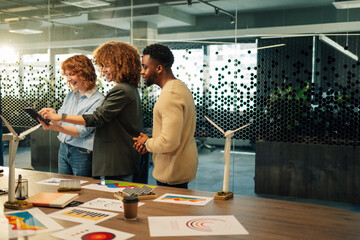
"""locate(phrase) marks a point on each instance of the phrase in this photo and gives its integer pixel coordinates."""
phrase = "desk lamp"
(14, 139)
(225, 194)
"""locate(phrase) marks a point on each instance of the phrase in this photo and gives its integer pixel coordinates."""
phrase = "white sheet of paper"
(184, 199)
(90, 231)
(82, 215)
(106, 204)
(30, 221)
(195, 226)
(56, 181)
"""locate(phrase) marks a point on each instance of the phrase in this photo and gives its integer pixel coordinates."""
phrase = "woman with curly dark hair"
(75, 153)
(119, 118)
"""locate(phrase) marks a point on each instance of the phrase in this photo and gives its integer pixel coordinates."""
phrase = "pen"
(18, 185)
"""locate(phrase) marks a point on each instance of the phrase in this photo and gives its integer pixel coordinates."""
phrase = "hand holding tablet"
(35, 115)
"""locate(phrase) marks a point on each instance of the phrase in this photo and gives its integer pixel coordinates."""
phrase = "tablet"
(35, 115)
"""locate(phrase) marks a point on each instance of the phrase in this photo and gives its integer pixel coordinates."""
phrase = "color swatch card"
(30, 221)
(195, 226)
(82, 215)
(55, 181)
(89, 231)
(183, 199)
(113, 186)
(106, 204)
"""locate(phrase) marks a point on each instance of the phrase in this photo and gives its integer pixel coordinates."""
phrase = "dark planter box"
(316, 171)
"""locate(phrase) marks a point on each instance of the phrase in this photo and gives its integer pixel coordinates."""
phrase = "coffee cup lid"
(130, 199)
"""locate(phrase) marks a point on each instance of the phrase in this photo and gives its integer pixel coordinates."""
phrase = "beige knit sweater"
(173, 145)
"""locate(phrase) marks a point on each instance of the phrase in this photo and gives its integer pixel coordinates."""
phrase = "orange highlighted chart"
(184, 199)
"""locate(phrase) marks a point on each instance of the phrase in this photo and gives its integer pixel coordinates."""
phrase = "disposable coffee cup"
(130, 204)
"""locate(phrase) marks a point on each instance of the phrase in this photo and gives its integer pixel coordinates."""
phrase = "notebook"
(47, 199)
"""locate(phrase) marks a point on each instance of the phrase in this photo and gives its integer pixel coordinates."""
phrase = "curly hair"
(122, 58)
(81, 66)
(160, 53)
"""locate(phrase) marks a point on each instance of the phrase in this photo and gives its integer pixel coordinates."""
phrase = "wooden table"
(262, 218)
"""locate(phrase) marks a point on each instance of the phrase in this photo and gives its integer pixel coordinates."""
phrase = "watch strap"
(144, 144)
(63, 116)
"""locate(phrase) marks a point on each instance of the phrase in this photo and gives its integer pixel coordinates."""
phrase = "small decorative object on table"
(142, 193)
(14, 140)
(18, 205)
(21, 193)
(223, 195)
(71, 185)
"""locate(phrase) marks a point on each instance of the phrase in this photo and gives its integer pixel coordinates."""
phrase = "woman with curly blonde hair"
(75, 153)
(122, 59)
(119, 118)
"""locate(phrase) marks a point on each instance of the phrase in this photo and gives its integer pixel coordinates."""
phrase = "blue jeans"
(74, 160)
(124, 178)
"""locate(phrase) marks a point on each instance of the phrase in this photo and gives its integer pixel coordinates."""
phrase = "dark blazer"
(117, 121)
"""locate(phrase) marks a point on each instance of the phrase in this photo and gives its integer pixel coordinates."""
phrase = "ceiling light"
(286, 36)
(347, 4)
(272, 46)
(25, 31)
(337, 46)
(86, 3)
(20, 9)
(25, 27)
(218, 10)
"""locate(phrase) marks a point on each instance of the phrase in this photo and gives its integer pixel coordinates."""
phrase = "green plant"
(288, 107)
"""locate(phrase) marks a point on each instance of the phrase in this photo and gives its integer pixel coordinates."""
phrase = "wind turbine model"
(14, 139)
(228, 135)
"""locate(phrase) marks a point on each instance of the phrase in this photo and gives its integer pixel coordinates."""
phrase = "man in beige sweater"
(173, 144)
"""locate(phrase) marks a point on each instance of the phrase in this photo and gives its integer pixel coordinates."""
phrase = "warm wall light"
(337, 46)
(347, 4)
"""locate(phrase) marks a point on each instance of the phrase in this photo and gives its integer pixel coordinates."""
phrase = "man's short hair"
(161, 53)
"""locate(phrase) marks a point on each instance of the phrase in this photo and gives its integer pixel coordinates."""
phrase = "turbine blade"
(234, 131)
(7, 124)
(30, 130)
(215, 125)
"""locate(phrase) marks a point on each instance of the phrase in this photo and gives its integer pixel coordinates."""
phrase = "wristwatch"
(144, 146)
(63, 116)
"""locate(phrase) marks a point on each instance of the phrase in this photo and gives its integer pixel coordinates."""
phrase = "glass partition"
(295, 76)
